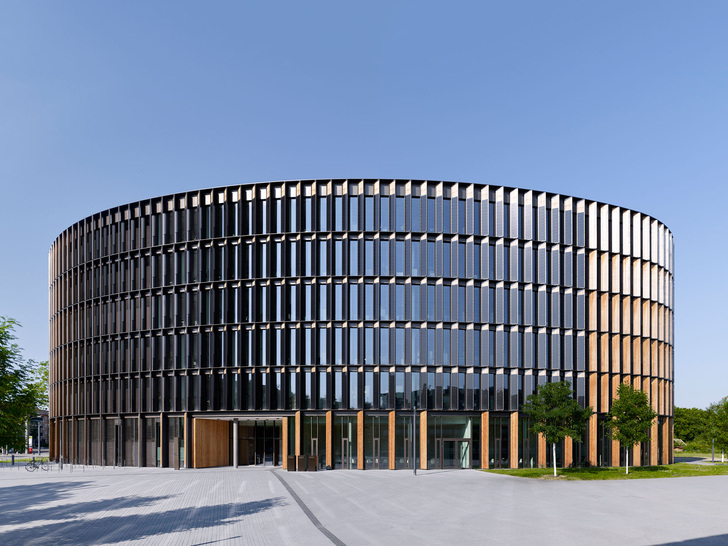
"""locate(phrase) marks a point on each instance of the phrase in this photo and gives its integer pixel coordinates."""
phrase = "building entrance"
(259, 443)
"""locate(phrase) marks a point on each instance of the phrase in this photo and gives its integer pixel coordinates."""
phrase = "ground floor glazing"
(340, 440)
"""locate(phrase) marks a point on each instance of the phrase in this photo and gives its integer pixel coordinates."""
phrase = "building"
(250, 323)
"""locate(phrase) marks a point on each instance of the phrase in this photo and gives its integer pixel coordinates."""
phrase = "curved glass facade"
(298, 322)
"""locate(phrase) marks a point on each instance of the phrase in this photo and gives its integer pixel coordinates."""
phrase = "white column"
(235, 443)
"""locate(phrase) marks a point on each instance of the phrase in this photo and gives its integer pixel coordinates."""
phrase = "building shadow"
(715, 540)
(114, 529)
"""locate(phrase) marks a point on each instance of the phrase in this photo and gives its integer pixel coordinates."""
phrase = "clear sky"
(104, 103)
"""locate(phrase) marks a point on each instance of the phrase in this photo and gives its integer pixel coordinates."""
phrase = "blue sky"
(103, 103)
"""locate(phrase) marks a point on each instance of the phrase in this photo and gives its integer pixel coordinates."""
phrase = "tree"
(556, 414)
(23, 387)
(718, 419)
(630, 419)
(691, 424)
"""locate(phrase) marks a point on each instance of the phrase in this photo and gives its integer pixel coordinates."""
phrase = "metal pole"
(414, 432)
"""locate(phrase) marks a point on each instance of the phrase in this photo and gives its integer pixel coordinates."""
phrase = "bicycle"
(33, 465)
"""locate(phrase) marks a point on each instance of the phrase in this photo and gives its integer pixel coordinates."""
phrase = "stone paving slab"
(150, 506)
(264, 506)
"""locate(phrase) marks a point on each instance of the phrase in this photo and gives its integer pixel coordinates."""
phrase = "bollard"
(12, 460)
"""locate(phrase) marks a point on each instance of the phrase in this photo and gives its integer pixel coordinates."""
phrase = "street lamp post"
(414, 432)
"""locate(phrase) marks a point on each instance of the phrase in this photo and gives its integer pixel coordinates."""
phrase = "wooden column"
(513, 450)
(591, 444)
(360, 440)
(653, 444)
(568, 452)
(636, 455)
(423, 440)
(329, 439)
(485, 439)
(615, 453)
(284, 443)
(666, 442)
(542, 447)
(392, 429)
(297, 437)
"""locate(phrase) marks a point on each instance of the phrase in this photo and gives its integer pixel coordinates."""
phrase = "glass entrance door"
(456, 453)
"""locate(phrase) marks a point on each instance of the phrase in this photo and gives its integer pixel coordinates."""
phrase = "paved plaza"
(223, 506)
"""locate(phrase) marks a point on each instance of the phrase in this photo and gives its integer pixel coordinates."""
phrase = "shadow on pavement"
(715, 540)
(21, 497)
(113, 529)
(13, 515)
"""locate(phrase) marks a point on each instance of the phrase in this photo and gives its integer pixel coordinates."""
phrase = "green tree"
(691, 424)
(556, 414)
(23, 387)
(718, 419)
(630, 418)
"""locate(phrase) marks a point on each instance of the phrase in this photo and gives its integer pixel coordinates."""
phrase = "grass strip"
(677, 470)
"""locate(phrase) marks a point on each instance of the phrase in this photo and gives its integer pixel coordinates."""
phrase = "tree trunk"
(553, 456)
(627, 459)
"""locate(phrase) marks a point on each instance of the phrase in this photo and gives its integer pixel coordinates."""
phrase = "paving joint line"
(331, 536)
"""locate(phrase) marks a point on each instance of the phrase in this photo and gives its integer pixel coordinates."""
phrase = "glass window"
(446, 303)
(323, 255)
(353, 213)
(369, 213)
(323, 302)
(400, 258)
(383, 390)
(338, 213)
(353, 302)
(399, 347)
(369, 301)
(462, 303)
(384, 258)
(416, 302)
(431, 254)
(431, 302)
(369, 346)
(416, 214)
(400, 302)
(431, 347)
(338, 258)
(353, 390)
(323, 343)
(338, 301)
(446, 259)
(354, 258)
(384, 213)
(431, 219)
(368, 390)
(401, 220)
(323, 214)
(384, 302)
(446, 347)
(461, 217)
(339, 346)
(415, 347)
(399, 390)
(462, 255)
(369, 257)
(308, 299)
(353, 346)
(415, 250)
(446, 210)
(308, 214)
(384, 346)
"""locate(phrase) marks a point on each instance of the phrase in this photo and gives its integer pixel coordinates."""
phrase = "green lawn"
(677, 470)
